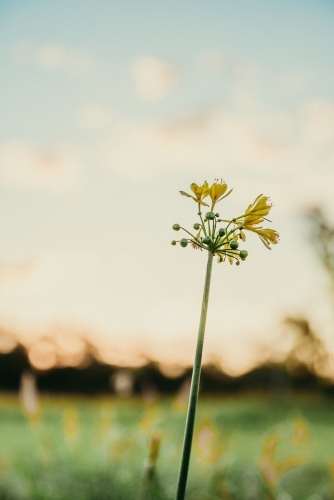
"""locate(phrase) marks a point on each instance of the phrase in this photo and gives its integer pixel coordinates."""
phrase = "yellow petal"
(193, 197)
(217, 190)
(200, 191)
(195, 188)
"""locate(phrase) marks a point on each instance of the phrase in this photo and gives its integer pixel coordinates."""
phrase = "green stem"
(194, 237)
(200, 216)
(225, 239)
(214, 228)
(191, 413)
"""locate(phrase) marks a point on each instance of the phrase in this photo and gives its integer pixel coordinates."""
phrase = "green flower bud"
(183, 242)
(206, 240)
(243, 254)
(222, 232)
(196, 226)
(217, 215)
(233, 220)
(173, 242)
(210, 215)
(199, 213)
(176, 227)
(234, 244)
(237, 263)
(219, 220)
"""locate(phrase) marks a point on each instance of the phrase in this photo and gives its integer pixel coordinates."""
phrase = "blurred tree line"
(98, 378)
(301, 369)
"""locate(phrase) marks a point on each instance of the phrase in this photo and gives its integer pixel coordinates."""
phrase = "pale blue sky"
(108, 109)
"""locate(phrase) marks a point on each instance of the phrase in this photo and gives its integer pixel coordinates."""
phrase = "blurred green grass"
(247, 447)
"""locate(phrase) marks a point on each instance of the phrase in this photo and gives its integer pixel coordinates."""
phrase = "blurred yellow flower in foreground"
(149, 419)
(270, 469)
(205, 443)
(154, 448)
(331, 470)
(300, 432)
(70, 422)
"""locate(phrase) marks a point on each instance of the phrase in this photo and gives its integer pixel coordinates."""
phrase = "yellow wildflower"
(301, 431)
(257, 211)
(267, 236)
(154, 448)
(205, 441)
(149, 419)
(331, 469)
(224, 241)
(217, 191)
(70, 422)
(270, 468)
(290, 463)
(200, 192)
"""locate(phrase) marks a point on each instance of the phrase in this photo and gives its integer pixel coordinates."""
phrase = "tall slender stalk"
(191, 413)
(223, 243)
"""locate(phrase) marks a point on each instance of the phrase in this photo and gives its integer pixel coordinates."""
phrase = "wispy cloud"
(13, 273)
(317, 121)
(154, 78)
(213, 61)
(25, 165)
(289, 146)
(52, 56)
(92, 116)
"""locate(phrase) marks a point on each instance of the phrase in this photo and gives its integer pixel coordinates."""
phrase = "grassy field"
(247, 448)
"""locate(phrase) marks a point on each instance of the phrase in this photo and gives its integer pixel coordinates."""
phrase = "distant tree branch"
(323, 239)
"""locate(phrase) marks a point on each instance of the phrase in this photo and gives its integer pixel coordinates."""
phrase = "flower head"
(224, 241)
(217, 191)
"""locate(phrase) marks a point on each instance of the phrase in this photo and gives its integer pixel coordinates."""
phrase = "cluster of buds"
(220, 236)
